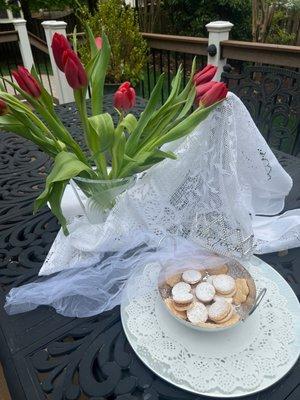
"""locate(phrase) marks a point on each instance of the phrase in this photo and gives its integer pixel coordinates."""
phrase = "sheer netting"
(224, 177)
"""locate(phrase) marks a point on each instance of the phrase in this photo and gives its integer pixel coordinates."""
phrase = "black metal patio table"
(47, 356)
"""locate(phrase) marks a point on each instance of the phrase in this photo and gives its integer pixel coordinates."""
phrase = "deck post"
(24, 43)
(218, 31)
(63, 90)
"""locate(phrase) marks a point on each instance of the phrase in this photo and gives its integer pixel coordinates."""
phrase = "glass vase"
(98, 197)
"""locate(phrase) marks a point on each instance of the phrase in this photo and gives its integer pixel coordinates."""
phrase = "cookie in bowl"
(209, 298)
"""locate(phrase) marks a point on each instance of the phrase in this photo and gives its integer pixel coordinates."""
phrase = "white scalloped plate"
(235, 336)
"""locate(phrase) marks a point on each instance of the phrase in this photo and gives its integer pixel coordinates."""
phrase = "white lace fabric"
(225, 176)
(243, 364)
(225, 172)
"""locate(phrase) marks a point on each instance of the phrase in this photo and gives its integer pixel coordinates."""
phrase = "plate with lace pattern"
(244, 360)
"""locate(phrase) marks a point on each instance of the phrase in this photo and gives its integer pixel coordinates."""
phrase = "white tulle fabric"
(225, 176)
(219, 368)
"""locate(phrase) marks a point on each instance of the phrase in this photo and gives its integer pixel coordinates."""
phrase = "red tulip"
(3, 107)
(59, 45)
(216, 93)
(27, 82)
(98, 42)
(205, 75)
(74, 70)
(202, 89)
(124, 98)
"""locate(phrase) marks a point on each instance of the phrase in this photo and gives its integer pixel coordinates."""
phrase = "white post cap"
(54, 24)
(219, 26)
(18, 21)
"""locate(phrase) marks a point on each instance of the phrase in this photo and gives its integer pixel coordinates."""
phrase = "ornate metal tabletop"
(47, 356)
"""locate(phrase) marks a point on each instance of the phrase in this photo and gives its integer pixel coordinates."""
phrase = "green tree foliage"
(128, 48)
(35, 5)
(189, 17)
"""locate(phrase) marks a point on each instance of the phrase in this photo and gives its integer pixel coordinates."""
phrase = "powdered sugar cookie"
(205, 292)
(219, 310)
(242, 291)
(231, 294)
(191, 276)
(242, 284)
(218, 298)
(228, 316)
(183, 306)
(183, 297)
(181, 287)
(197, 313)
(232, 321)
(224, 284)
(171, 280)
(170, 304)
(239, 297)
(220, 269)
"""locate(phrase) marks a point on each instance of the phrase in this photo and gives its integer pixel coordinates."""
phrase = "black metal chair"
(272, 96)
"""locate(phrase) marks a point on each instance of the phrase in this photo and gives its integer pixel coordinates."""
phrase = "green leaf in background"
(74, 39)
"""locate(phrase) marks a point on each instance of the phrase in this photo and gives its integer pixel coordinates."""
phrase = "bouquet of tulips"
(133, 145)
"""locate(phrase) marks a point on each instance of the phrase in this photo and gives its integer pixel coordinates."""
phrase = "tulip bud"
(3, 107)
(124, 98)
(205, 75)
(74, 70)
(202, 89)
(27, 82)
(98, 42)
(59, 45)
(217, 93)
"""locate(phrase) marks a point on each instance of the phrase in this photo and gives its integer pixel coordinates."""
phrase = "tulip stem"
(100, 159)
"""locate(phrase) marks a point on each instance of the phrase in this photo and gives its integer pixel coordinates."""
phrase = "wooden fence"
(166, 52)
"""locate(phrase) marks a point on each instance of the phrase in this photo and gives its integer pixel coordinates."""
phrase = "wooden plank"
(261, 52)
(9, 36)
(38, 43)
(181, 44)
(4, 392)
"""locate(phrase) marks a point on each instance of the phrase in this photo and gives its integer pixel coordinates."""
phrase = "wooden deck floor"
(4, 393)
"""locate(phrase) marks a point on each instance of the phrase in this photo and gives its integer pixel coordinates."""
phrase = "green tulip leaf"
(102, 132)
(117, 152)
(90, 35)
(97, 75)
(66, 166)
(150, 108)
(54, 199)
(129, 123)
(46, 97)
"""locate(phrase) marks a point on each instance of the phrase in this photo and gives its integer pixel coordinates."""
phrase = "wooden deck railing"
(9, 36)
(180, 44)
(264, 53)
(38, 43)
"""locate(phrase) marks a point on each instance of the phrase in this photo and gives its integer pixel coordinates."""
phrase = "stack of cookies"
(205, 298)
